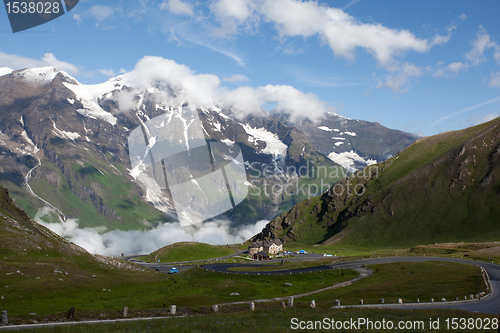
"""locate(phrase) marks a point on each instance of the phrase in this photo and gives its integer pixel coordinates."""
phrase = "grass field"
(407, 281)
(50, 292)
(185, 251)
(193, 291)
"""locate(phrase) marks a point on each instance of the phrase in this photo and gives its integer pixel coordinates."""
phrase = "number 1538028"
(24, 7)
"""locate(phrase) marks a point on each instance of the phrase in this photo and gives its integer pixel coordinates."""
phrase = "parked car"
(302, 252)
(173, 270)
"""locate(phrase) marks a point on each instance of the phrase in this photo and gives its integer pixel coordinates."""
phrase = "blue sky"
(420, 66)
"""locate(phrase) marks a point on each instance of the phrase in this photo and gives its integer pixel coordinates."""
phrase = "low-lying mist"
(115, 242)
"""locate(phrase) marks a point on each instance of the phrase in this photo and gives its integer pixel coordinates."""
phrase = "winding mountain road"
(489, 305)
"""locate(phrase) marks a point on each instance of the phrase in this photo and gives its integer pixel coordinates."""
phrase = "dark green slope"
(43, 273)
(441, 188)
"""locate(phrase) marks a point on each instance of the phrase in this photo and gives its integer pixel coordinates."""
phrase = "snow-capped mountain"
(351, 143)
(64, 149)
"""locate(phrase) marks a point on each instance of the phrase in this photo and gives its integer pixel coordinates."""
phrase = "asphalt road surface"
(165, 268)
(223, 268)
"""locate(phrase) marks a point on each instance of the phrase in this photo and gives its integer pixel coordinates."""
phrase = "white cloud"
(398, 82)
(439, 39)
(204, 90)
(485, 118)
(451, 70)
(455, 66)
(462, 17)
(122, 71)
(342, 32)
(233, 14)
(494, 79)
(107, 72)
(19, 62)
(78, 18)
(474, 57)
(352, 3)
(235, 78)
(480, 45)
(196, 89)
(113, 243)
(177, 7)
(246, 100)
(470, 108)
(100, 13)
(218, 49)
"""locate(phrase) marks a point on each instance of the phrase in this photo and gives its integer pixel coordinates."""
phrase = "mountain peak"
(5, 71)
(39, 76)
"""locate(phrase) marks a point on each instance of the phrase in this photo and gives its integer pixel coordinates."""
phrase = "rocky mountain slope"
(65, 146)
(352, 143)
(442, 188)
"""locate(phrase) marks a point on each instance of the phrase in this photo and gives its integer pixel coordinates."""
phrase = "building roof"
(265, 243)
(262, 253)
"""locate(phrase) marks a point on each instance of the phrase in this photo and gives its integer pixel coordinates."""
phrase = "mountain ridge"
(441, 188)
(73, 138)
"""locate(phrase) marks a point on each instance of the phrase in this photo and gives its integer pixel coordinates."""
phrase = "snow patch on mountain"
(5, 71)
(274, 146)
(154, 194)
(347, 159)
(327, 129)
(217, 126)
(64, 134)
(216, 109)
(338, 143)
(38, 76)
(137, 170)
(89, 96)
(349, 133)
(228, 142)
(27, 138)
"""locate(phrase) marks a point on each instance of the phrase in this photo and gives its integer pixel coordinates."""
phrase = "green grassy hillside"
(43, 273)
(443, 188)
(185, 251)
